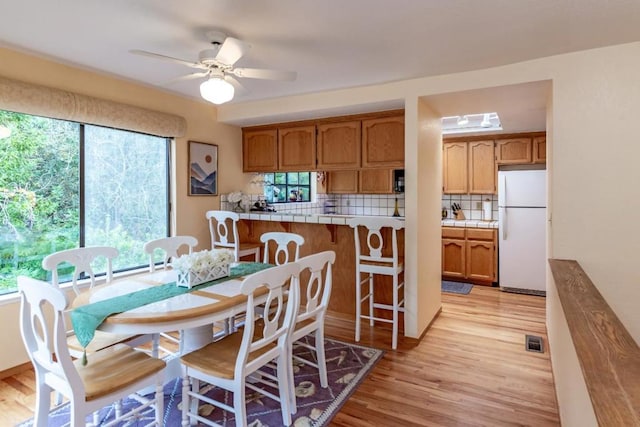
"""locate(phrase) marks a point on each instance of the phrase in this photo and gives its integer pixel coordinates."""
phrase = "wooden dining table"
(193, 313)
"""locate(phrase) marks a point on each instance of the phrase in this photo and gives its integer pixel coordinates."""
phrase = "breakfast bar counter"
(321, 233)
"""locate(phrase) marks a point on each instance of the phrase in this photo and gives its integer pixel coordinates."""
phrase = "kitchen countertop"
(469, 223)
(342, 219)
(308, 218)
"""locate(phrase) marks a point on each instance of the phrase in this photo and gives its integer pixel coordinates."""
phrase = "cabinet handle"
(503, 222)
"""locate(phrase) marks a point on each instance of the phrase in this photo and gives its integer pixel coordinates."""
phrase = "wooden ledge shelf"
(608, 355)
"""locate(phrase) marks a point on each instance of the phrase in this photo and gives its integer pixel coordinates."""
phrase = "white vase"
(191, 278)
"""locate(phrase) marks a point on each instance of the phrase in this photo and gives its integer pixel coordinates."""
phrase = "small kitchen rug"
(347, 366)
(456, 287)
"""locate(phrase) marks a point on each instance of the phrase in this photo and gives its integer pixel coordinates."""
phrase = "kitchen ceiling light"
(217, 90)
(471, 123)
(5, 132)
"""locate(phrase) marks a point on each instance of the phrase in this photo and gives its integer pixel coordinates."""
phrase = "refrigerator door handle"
(502, 194)
(503, 222)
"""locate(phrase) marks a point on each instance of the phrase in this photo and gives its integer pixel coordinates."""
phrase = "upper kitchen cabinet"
(297, 148)
(468, 167)
(363, 181)
(342, 182)
(540, 149)
(383, 142)
(375, 181)
(260, 150)
(482, 167)
(513, 151)
(338, 145)
(454, 168)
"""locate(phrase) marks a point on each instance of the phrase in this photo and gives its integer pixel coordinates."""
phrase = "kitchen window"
(65, 185)
(287, 187)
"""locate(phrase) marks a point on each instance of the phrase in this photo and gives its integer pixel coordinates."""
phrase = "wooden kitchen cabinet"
(469, 254)
(513, 151)
(540, 149)
(453, 252)
(297, 148)
(383, 142)
(338, 145)
(481, 255)
(260, 150)
(482, 167)
(364, 181)
(454, 168)
(342, 182)
(375, 181)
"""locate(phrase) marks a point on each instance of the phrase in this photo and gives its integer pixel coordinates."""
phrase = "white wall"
(423, 162)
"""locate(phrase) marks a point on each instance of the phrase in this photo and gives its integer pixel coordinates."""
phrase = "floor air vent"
(534, 343)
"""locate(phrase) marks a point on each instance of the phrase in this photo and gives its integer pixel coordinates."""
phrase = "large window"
(287, 187)
(64, 185)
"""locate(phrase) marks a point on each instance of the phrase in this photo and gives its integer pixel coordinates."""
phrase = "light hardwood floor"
(470, 369)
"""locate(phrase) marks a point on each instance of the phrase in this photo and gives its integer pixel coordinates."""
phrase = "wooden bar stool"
(371, 261)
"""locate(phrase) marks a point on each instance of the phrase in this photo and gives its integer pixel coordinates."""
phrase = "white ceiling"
(331, 43)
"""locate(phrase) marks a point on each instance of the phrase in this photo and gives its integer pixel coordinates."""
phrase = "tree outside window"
(53, 198)
(287, 187)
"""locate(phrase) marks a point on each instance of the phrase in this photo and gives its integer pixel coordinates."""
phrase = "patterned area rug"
(347, 366)
(456, 287)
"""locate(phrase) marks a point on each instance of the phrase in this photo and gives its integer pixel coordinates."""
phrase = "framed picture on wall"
(203, 169)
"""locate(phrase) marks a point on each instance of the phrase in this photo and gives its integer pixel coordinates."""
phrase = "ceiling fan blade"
(169, 58)
(259, 73)
(188, 77)
(231, 50)
(240, 89)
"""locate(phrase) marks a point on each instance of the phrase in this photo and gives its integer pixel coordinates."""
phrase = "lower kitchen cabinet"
(470, 254)
(453, 258)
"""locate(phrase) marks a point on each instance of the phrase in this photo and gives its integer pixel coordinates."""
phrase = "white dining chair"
(371, 261)
(223, 229)
(311, 313)
(227, 363)
(110, 375)
(83, 260)
(168, 248)
(287, 246)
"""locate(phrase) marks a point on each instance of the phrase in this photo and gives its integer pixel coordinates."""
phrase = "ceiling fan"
(216, 64)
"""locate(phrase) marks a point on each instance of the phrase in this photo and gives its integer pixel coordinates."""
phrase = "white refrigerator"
(522, 231)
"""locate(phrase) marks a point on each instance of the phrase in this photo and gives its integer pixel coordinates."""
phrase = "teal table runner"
(87, 318)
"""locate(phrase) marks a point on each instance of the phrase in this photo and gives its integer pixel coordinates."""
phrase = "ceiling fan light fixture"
(217, 90)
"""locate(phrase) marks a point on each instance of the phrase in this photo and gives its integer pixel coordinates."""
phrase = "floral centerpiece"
(203, 266)
(239, 198)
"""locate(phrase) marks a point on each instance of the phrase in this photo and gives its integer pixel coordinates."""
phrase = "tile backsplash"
(345, 204)
(471, 205)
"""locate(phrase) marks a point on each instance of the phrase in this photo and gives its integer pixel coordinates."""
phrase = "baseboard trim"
(15, 370)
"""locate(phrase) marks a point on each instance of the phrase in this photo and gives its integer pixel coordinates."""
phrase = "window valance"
(22, 97)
